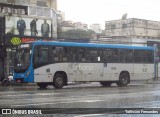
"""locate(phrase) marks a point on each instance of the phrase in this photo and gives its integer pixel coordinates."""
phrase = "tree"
(76, 34)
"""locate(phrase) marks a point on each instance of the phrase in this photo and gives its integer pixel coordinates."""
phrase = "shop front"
(11, 48)
(19, 30)
(2, 65)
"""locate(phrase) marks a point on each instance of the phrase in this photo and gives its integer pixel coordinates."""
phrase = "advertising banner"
(16, 40)
(29, 27)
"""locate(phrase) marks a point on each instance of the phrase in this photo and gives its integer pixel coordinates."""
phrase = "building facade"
(96, 28)
(80, 25)
(133, 31)
(23, 21)
(132, 28)
(70, 25)
(41, 3)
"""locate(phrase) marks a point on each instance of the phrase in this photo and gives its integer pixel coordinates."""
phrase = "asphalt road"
(89, 97)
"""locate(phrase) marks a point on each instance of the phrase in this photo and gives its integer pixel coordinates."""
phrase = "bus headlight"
(27, 74)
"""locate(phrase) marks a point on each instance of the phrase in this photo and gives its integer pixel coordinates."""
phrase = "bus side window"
(41, 56)
(129, 56)
(100, 55)
(121, 55)
(82, 54)
(53, 52)
(150, 56)
(55, 56)
(59, 54)
(73, 54)
(65, 54)
(139, 56)
(115, 57)
(107, 55)
(92, 55)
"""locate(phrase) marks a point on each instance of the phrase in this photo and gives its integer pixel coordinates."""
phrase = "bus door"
(73, 69)
(94, 66)
(142, 68)
(86, 71)
(79, 68)
(41, 60)
(107, 65)
(74, 72)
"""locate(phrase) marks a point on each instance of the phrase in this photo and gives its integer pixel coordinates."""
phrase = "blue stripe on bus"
(93, 45)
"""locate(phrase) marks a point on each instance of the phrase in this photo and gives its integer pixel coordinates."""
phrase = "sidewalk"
(23, 84)
(151, 81)
(154, 81)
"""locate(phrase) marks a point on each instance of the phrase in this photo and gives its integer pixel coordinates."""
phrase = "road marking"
(89, 115)
(148, 104)
(49, 103)
(34, 94)
(82, 101)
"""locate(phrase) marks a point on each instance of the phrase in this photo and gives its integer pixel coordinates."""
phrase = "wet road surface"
(91, 95)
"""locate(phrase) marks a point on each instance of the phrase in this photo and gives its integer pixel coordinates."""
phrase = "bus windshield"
(22, 60)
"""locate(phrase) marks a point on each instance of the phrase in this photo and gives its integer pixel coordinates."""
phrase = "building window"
(124, 25)
(39, 11)
(41, 3)
(113, 26)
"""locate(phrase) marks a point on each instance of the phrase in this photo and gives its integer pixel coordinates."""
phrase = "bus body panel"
(143, 71)
(86, 71)
(113, 70)
(94, 71)
(23, 77)
(74, 73)
(46, 73)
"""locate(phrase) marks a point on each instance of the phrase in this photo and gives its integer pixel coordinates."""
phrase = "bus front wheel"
(58, 81)
(42, 85)
(123, 79)
(105, 83)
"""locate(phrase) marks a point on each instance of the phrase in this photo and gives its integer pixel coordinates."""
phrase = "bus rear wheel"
(123, 79)
(58, 81)
(105, 83)
(42, 85)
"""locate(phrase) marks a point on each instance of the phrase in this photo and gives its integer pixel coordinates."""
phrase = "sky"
(99, 11)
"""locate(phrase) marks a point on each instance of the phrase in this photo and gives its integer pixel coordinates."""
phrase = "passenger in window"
(39, 57)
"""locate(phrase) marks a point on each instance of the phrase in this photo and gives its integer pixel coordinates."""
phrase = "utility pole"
(156, 59)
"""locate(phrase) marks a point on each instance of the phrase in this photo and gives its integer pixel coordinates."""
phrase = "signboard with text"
(16, 40)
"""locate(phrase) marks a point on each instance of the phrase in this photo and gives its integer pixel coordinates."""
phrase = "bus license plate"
(19, 81)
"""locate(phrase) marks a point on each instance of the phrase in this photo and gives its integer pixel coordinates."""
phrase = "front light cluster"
(27, 74)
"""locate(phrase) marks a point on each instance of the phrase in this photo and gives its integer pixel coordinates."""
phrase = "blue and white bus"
(57, 63)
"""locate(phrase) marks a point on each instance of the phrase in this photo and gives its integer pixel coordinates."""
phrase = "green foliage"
(76, 34)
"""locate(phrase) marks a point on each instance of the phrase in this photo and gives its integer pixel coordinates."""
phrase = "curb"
(154, 81)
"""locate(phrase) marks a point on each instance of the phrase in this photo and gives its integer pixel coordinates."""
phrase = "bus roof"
(74, 44)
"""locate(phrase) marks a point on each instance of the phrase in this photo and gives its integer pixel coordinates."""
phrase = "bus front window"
(22, 60)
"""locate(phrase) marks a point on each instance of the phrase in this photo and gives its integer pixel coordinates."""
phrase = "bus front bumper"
(20, 78)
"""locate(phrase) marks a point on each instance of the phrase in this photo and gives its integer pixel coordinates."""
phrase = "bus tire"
(58, 81)
(123, 79)
(105, 83)
(42, 85)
